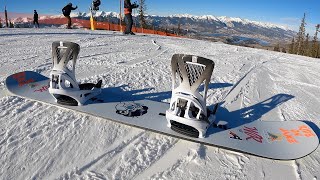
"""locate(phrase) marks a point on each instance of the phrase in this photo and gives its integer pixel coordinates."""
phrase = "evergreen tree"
(142, 10)
(299, 46)
(291, 47)
(11, 25)
(318, 52)
(306, 50)
(179, 27)
(284, 50)
(315, 44)
(0, 23)
(277, 48)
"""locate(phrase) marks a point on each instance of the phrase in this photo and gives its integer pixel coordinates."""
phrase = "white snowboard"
(280, 140)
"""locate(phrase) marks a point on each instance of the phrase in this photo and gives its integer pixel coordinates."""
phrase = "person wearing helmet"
(127, 12)
(66, 12)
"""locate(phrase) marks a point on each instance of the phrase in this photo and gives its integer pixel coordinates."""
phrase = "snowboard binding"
(188, 113)
(63, 85)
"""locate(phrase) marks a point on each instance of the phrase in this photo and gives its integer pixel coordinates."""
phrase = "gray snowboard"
(280, 140)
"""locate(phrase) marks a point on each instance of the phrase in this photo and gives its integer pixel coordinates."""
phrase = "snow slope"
(38, 141)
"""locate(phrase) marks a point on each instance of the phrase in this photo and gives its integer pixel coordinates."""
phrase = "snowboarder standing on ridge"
(128, 15)
(66, 12)
(35, 19)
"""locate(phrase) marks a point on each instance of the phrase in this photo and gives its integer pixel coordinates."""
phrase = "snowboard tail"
(282, 140)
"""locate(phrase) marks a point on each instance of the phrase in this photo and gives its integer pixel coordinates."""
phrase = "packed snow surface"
(38, 141)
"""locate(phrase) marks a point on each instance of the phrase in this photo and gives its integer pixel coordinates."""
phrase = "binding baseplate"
(188, 113)
(63, 85)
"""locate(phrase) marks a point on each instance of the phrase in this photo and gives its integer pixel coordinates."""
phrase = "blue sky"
(284, 12)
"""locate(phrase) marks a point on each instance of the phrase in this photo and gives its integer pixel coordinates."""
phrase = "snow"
(38, 141)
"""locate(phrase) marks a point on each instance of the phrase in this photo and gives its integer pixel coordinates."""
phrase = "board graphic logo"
(38, 88)
(252, 133)
(302, 131)
(33, 85)
(131, 109)
(21, 79)
(272, 137)
(42, 89)
(234, 135)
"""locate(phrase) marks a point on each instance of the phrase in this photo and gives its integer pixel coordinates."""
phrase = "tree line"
(302, 44)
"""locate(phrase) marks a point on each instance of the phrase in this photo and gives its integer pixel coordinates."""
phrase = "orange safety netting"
(103, 26)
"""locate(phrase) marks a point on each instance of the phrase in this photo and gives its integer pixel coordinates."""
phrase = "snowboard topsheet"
(283, 140)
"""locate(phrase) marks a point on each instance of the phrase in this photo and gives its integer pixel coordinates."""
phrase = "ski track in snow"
(38, 141)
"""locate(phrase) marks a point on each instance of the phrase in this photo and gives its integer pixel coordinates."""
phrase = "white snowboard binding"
(63, 85)
(188, 113)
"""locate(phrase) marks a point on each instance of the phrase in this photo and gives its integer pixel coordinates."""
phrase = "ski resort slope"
(38, 141)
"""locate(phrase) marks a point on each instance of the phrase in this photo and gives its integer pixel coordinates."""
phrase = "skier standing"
(128, 15)
(35, 19)
(66, 12)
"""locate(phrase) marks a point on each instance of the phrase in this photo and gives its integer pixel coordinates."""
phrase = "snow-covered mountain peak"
(208, 17)
(229, 20)
(203, 17)
(106, 14)
(181, 16)
(22, 20)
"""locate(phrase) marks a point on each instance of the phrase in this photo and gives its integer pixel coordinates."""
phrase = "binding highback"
(64, 58)
(188, 113)
(191, 71)
(63, 84)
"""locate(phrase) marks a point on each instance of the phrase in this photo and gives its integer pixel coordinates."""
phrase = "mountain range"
(228, 29)
(232, 30)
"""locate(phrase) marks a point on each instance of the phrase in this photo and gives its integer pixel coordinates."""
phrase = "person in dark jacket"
(35, 19)
(95, 5)
(66, 12)
(128, 15)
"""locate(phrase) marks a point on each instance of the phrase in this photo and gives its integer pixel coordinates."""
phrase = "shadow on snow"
(119, 94)
(251, 113)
